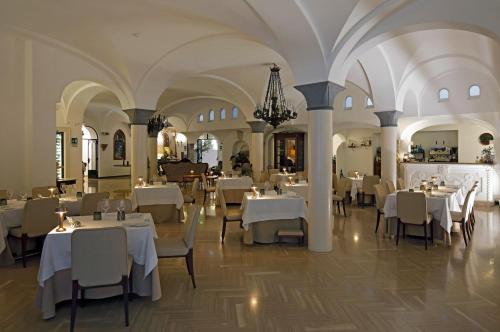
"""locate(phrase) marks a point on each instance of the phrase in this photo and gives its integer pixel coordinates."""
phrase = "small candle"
(61, 213)
(140, 181)
(254, 191)
(192, 172)
(290, 180)
(222, 174)
(52, 189)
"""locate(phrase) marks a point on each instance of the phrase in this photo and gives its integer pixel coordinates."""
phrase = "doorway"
(90, 158)
(207, 150)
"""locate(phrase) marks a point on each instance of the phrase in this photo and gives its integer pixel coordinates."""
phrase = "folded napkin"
(134, 223)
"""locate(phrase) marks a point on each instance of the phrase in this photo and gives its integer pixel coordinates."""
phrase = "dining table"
(233, 188)
(54, 273)
(164, 201)
(357, 186)
(263, 215)
(440, 202)
(281, 177)
(11, 215)
(301, 188)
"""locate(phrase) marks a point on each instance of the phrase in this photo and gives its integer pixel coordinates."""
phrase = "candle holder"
(52, 189)
(61, 213)
(284, 170)
(356, 174)
(140, 181)
(222, 174)
(191, 171)
(290, 180)
(254, 191)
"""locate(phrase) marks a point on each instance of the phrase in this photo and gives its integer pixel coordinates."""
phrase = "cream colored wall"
(359, 159)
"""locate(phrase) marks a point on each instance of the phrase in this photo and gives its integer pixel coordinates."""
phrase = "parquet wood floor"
(364, 284)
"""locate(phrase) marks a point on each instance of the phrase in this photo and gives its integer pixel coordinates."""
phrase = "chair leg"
(131, 284)
(432, 231)
(397, 232)
(189, 264)
(362, 200)
(82, 297)
(204, 197)
(425, 234)
(223, 229)
(125, 297)
(462, 226)
(343, 208)
(24, 240)
(404, 231)
(469, 230)
(74, 297)
(378, 220)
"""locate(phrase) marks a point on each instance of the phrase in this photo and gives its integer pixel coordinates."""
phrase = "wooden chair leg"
(125, 297)
(204, 197)
(462, 226)
(24, 240)
(82, 297)
(343, 208)
(378, 220)
(432, 231)
(397, 233)
(189, 264)
(404, 231)
(425, 234)
(131, 284)
(74, 297)
(362, 200)
(223, 234)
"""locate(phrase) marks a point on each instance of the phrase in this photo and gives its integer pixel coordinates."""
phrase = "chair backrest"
(43, 191)
(273, 171)
(351, 173)
(380, 195)
(401, 183)
(190, 224)
(264, 176)
(194, 188)
(467, 206)
(39, 216)
(99, 256)
(4, 194)
(89, 202)
(114, 204)
(335, 181)
(368, 182)
(222, 201)
(411, 207)
(472, 199)
(347, 185)
(389, 186)
(204, 181)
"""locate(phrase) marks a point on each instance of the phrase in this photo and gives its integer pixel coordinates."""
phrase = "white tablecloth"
(157, 194)
(301, 189)
(280, 177)
(357, 185)
(439, 204)
(272, 208)
(244, 182)
(56, 254)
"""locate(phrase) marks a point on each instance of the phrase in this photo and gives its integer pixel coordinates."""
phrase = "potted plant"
(487, 155)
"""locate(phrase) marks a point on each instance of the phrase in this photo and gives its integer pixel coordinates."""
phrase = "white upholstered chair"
(89, 202)
(380, 195)
(43, 191)
(191, 198)
(367, 190)
(389, 186)
(39, 218)
(99, 257)
(206, 188)
(412, 209)
(400, 183)
(172, 247)
(463, 217)
(228, 215)
(340, 196)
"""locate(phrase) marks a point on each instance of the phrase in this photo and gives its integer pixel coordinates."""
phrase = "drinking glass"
(105, 206)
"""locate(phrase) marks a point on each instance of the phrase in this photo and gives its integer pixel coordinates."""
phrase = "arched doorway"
(89, 152)
(207, 150)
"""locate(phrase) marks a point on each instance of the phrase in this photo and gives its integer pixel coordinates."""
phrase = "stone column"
(139, 153)
(153, 153)
(257, 147)
(319, 97)
(388, 144)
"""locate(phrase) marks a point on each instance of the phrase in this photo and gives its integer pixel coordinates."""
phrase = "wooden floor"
(364, 284)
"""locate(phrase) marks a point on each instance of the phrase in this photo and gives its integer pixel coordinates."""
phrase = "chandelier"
(274, 111)
(157, 123)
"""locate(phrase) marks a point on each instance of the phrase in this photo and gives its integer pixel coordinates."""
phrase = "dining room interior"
(247, 165)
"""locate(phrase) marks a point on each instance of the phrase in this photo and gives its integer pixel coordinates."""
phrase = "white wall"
(360, 159)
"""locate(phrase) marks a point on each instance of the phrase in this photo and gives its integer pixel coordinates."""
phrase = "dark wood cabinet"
(289, 151)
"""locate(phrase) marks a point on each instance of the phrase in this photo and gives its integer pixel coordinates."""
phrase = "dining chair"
(380, 195)
(463, 217)
(114, 204)
(228, 215)
(43, 191)
(351, 173)
(472, 214)
(89, 202)
(340, 196)
(99, 258)
(335, 182)
(4, 194)
(400, 183)
(206, 188)
(174, 247)
(389, 186)
(367, 190)
(412, 209)
(191, 198)
(39, 218)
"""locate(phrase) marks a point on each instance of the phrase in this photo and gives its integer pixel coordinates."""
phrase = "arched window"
(444, 95)
(200, 117)
(234, 112)
(475, 91)
(222, 114)
(348, 103)
(119, 146)
(369, 102)
(211, 115)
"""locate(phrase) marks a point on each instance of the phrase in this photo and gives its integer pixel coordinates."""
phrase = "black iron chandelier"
(275, 110)
(157, 123)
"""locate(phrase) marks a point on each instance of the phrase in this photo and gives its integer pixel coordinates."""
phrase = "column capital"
(388, 118)
(139, 116)
(257, 126)
(320, 95)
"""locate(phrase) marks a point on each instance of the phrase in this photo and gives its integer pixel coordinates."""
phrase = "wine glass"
(121, 206)
(105, 206)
